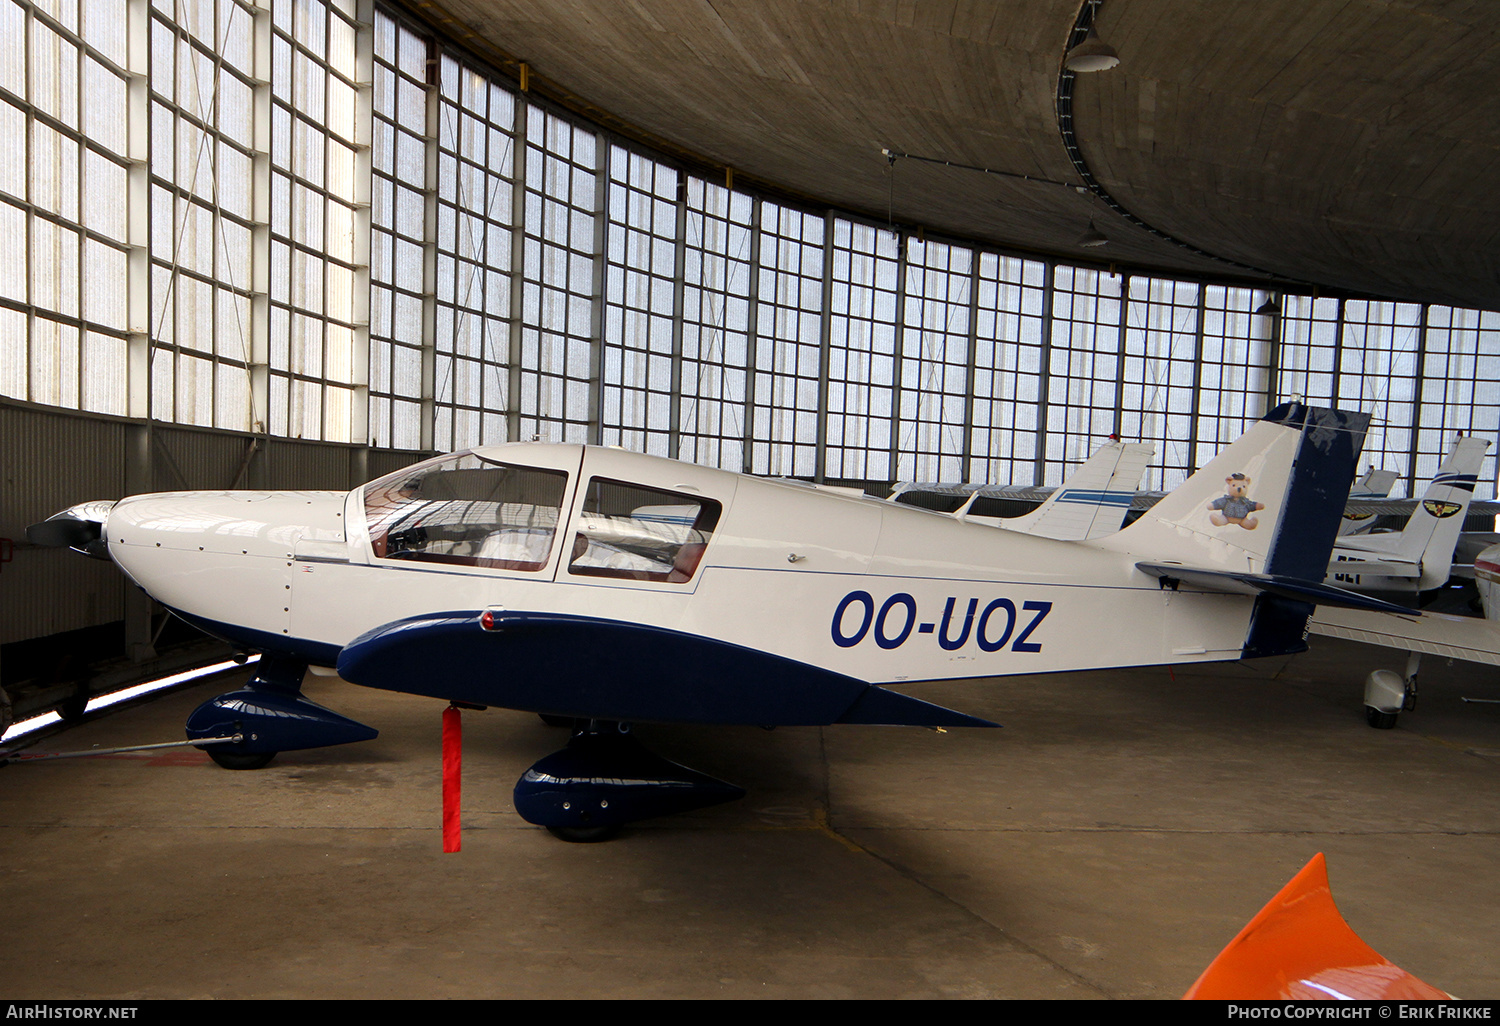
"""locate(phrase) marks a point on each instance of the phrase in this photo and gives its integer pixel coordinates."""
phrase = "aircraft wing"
(592, 668)
(1018, 493)
(1456, 637)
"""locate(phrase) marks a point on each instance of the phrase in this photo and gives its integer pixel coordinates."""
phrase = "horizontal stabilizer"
(1233, 582)
(580, 666)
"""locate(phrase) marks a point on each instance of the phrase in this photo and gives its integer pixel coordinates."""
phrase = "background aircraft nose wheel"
(1388, 694)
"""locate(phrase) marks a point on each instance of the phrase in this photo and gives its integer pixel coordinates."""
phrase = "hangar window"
(466, 510)
(641, 534)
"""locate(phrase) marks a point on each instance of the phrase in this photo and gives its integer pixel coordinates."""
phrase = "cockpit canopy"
(472, 510)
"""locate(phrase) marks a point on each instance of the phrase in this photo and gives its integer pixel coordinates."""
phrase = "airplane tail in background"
(1419, 557)
(1376, 484)
(1094, 499)
(1431, 534)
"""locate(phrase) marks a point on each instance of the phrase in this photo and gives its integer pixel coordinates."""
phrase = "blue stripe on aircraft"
(1096, 498)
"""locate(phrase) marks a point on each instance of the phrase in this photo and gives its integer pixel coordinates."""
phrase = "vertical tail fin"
(1269, 503)
(1427, 541)
(1432, 532)
(1259, 519)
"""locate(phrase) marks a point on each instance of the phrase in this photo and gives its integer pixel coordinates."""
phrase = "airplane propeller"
(80, 528)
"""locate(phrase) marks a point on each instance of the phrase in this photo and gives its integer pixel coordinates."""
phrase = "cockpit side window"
(637, 533)
(469, 511)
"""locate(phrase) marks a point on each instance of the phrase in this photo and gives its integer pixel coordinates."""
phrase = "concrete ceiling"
(1344, 144)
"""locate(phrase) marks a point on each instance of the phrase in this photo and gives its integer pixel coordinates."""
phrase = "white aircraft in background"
(1419, 557)
(1091, 503)
(1487, 580)
(609, 587)
(1376, 484)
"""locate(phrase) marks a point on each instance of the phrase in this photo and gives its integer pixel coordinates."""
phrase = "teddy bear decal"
(1235, 506)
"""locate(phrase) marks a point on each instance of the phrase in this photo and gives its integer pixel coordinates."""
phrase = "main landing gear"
(606, 778)
(269, 715)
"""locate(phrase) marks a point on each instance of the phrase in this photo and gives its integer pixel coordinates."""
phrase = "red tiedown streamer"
(453, 761)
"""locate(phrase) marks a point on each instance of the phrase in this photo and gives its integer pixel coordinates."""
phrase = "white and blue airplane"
(609, 587)
(1419, 557)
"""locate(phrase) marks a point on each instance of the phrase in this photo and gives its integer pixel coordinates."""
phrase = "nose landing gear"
(270, 715)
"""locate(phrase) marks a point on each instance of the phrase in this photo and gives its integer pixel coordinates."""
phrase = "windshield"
(467, 510)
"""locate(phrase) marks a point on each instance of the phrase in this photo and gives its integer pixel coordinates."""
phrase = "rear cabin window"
(636, 533)
(467, 511)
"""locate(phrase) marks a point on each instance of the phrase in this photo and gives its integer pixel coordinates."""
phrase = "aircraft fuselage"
(874, 590)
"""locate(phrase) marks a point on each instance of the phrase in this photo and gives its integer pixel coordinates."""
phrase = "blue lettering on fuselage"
(992, 627)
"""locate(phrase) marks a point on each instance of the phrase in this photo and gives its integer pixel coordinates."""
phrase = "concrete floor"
(1107, 843)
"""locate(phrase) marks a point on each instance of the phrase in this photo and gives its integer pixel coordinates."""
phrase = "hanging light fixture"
(1092, 238)
(1093, 54)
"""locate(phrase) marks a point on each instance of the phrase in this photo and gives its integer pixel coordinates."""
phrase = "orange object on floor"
(1299, 948)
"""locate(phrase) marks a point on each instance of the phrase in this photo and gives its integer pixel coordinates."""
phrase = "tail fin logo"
(1235, 506)
(1440, 509)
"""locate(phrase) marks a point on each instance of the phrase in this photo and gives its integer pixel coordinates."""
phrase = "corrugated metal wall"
(52, 459)
(388, 461)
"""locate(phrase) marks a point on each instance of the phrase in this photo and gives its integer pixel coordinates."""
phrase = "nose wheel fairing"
(270, 715)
